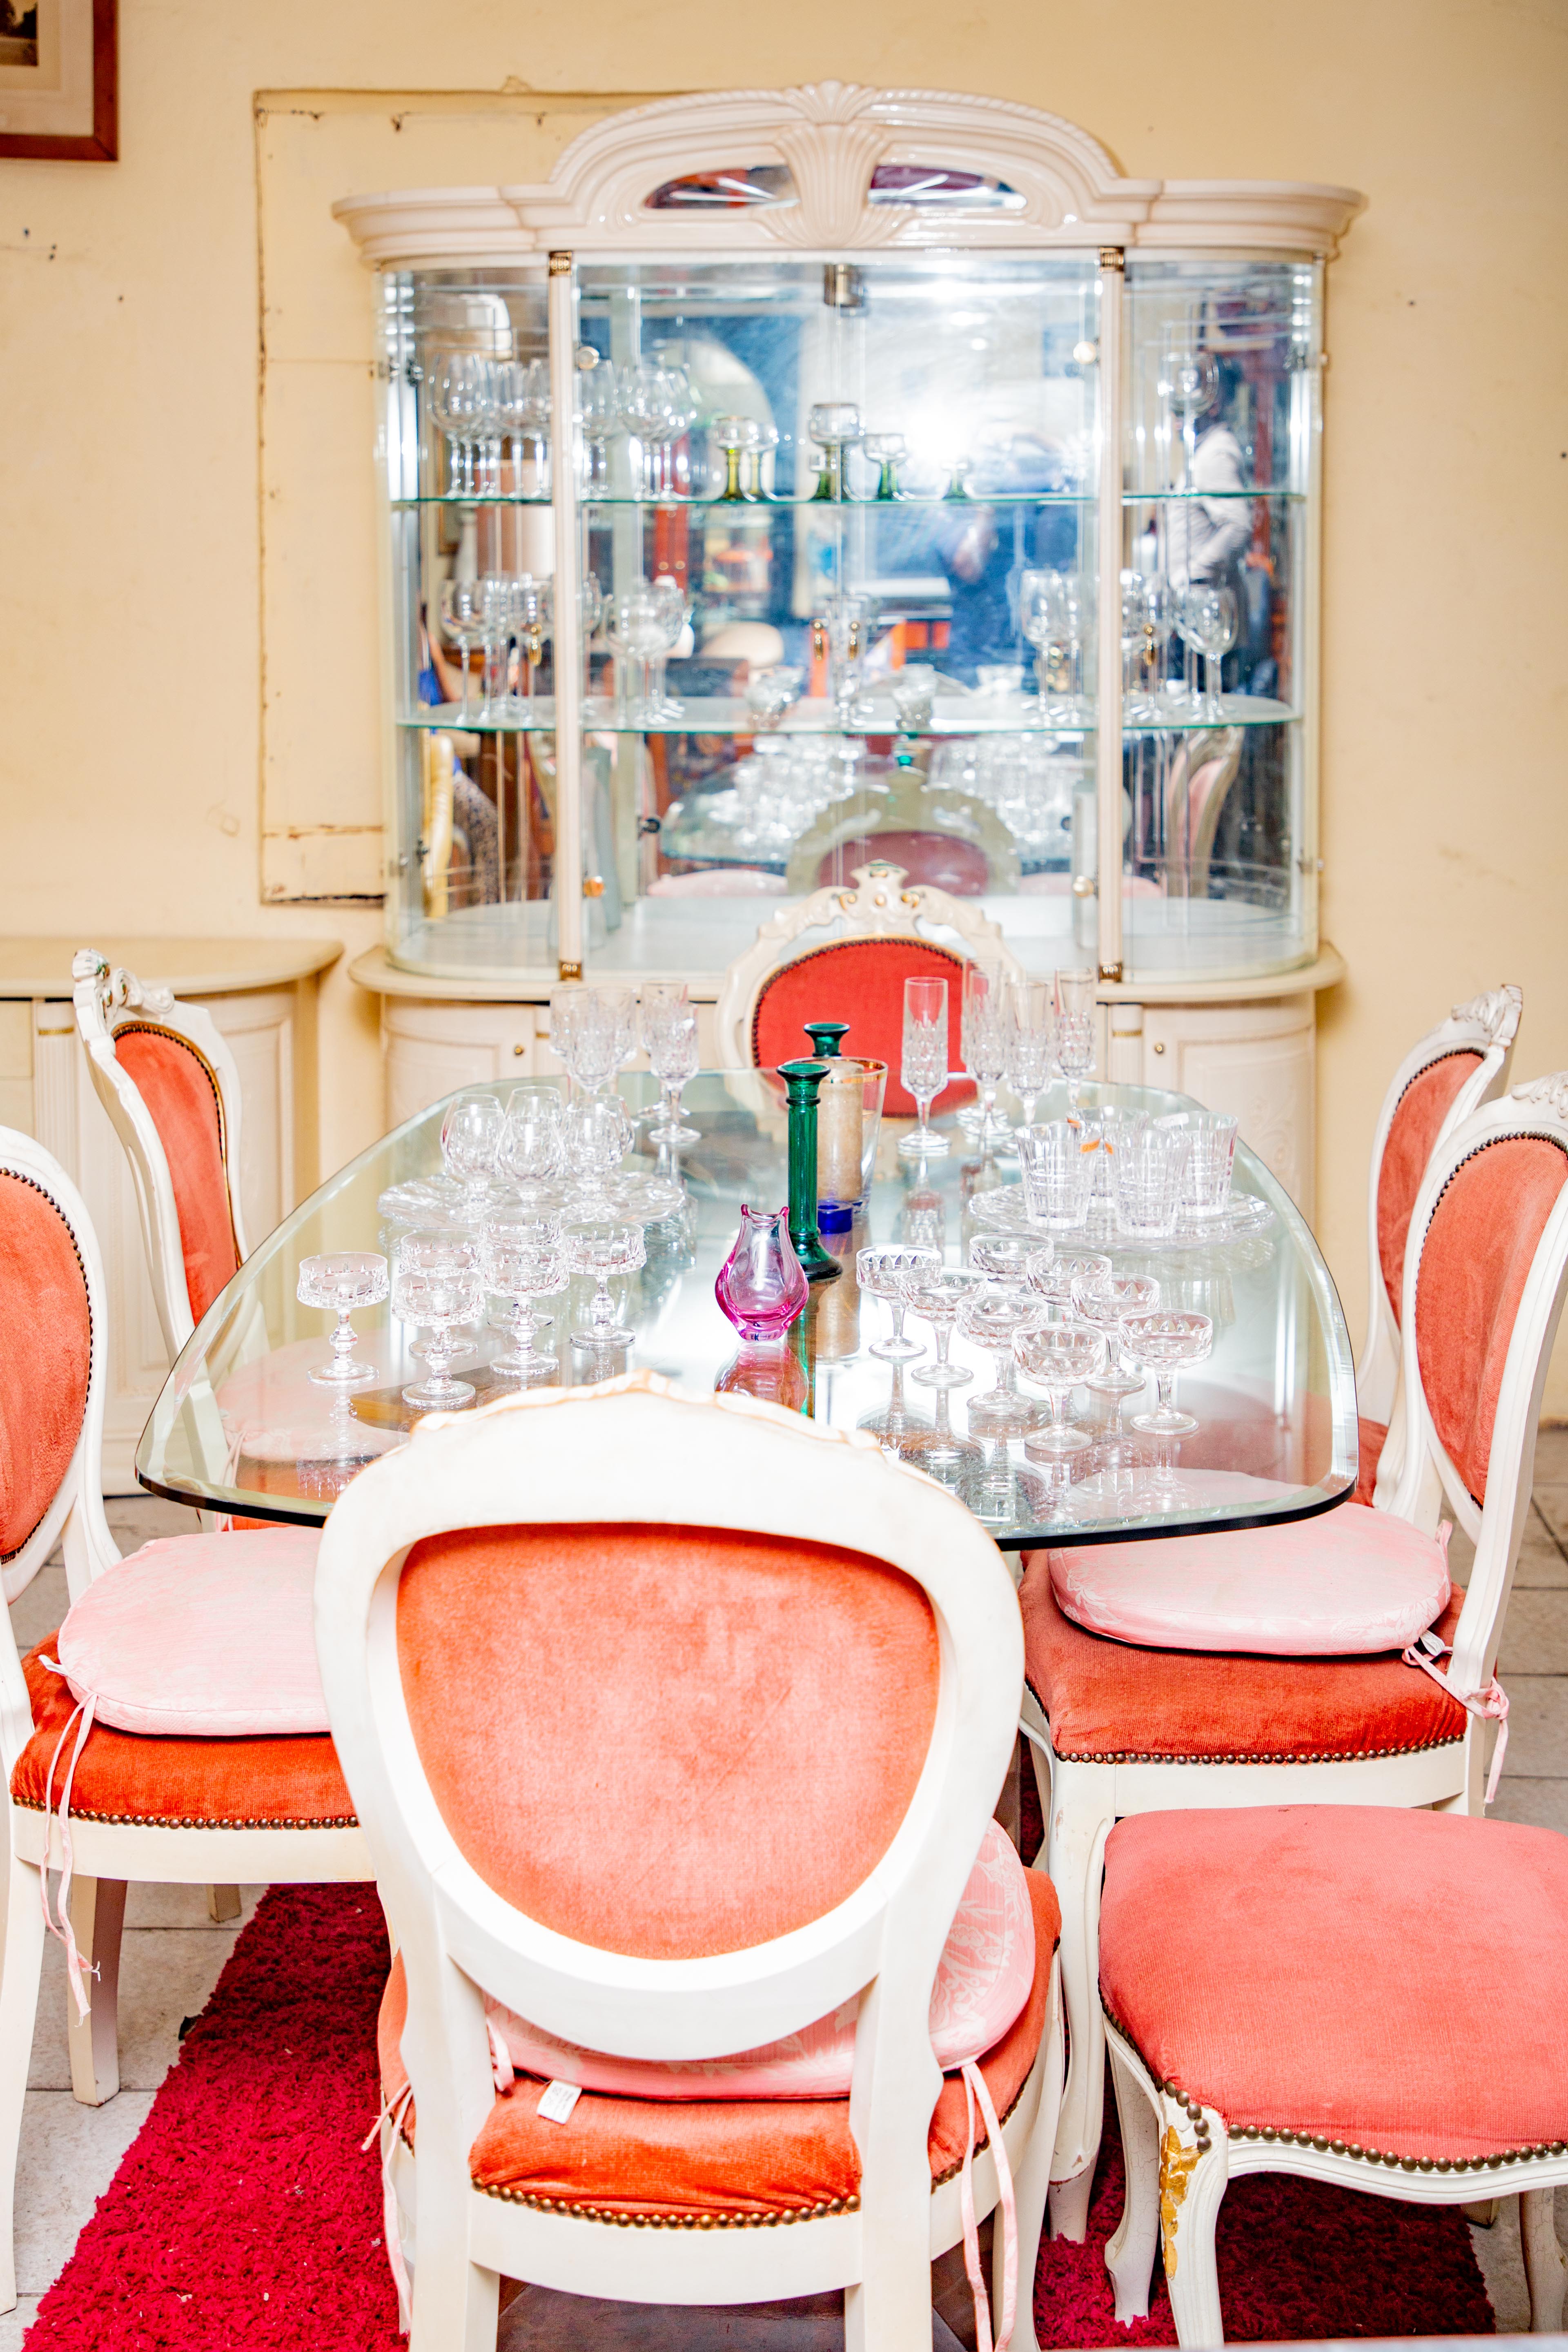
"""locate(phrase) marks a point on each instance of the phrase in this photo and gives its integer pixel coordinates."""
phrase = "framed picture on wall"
(57, 79)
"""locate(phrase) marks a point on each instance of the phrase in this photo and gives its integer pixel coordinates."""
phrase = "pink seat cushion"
(202, 1636)
(1417, 1120)
(861, 981)
(1348, 1582)
(982, 1985)
(44, 1361)
(184, 1103)
(1480, 1252)
(1389, 1978)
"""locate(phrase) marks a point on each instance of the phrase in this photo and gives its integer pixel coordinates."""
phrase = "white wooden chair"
(1118, 1729)
(1446, 1075)
(672, 1888)
(175, 1811)
(1367, 1997)
(164, 1075)
(882, 937)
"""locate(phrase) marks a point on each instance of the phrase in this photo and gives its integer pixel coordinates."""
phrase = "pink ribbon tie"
(1490, 1703)
(974, 2089)
(58, 1922)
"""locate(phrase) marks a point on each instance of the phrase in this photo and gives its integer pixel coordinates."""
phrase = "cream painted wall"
(129, 475)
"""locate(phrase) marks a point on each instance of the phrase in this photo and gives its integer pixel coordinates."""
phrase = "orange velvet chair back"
(1480, 1247)
(45, 1359)
(1412, 1133)
(861, 981)
(185, 1104)
(666, 1742)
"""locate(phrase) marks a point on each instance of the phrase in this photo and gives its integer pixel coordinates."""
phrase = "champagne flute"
(923, 1067)
(669, 1035)
(1075, 1031)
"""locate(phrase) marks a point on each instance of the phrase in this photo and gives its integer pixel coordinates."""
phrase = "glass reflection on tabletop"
(241, 1425)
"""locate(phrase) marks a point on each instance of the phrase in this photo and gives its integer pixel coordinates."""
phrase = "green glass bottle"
(802, 1081)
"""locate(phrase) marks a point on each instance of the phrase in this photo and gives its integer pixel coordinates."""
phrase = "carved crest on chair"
(117, 991)
(1551, 1094)
(1496, 1010)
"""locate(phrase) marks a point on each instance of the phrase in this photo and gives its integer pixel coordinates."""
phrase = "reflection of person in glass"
(1206, 535)
(984, 549)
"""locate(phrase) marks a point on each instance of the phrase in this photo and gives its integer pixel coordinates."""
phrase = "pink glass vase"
(761, 1285)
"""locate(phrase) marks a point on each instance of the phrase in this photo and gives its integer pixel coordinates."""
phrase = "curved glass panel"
(934, 184)
(727, 191)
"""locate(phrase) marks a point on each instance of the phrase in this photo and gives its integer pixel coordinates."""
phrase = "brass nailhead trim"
(624, 2220)
(193, 1820)
(1328, 1755)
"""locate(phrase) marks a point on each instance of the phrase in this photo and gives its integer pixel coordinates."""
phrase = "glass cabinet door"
(838, 528)
(1220, 397)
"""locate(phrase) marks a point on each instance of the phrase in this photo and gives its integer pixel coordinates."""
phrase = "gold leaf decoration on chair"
(1177, 2165)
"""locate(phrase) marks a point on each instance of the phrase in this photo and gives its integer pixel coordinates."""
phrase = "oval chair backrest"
(861, 981)
(51, 1388)
(169, 1083)
(1484, 1282)
(944, 859)
(665, 1790)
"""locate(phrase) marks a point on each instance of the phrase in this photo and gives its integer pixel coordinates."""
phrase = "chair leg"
(456, 2305)
(1031, 2183)
(19, 1972)
(1545, 2271)
(223, 1903)
(1192, 2274)
(1080, 1820)
(97, 1915)
(1130, 2256)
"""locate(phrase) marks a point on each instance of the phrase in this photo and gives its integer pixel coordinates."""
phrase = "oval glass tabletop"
(240, 1425)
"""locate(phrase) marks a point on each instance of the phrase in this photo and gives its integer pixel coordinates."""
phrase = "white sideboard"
(262, 996)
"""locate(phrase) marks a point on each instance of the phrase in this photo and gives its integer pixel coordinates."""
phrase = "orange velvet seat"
(1371, 1437)
(698, 2162)
(1107, 1700)
(278, 1781)
(1383, 1979)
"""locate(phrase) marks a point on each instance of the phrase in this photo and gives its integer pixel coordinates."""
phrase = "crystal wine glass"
(493, 602)
(604, 1249)
(935, 1294)
(1165, 1341)
(596, 1134)
(734, 435)
(1058, 1357)
(835, 426)
(342, 1280)
(882, 1273)
(923, 1067)
(644, 410)
(535, 417)
(471, 1133)
(669, 1037)
(437, 1283)
(1029, 1040)
(521, 1261)
(1207, 620)
(456, 393)
(673, 610)
(462, 623)
(679, 417)
(886, 451)
(598, 412)
(985, 1050)
(531, 1145)
(993, 1317)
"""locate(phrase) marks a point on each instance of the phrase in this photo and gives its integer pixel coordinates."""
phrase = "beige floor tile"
(1538, 1728)
(1542, 1560)
(1551, 1502)
(167, 1974)
(1535, 1633)
(68, 2157)
(39, 1610)
(136, 1518)
(1503, 2266)
(1542, 1804)
(184, 1906)
(1551, 1455)
(14, 2325)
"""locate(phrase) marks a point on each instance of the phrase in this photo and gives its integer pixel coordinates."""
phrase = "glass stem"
(898, 1306)
(344, 1337)
(923, 1106)
(670, 1097)
(1007, 1376)
(944, 1341)
(1164, 1390)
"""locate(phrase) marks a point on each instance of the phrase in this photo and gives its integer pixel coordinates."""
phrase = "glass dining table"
(241, 1427)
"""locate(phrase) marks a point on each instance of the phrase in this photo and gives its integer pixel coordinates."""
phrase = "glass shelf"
(589, 501)
(728, 715)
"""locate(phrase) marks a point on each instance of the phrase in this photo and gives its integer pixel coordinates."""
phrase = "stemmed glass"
(886, 451)
(1165, 1341)
(985, 1050)
(520, 1260)
(1054, 614)
(599, 410)
(923, 1067)
(457, 393)
(1207, 620)
(531, 1145)
(1105, 1301)
(644, 409)
(342, 1280)
(493, 601)
(669, 1037)
(462, 622)
(914, 698)
(534, 416)
(993, 1317)
(604, 1250)
(1058, 1356)
(530, 620)
(835, 426)
(1147, 619)
(635, 624)
(679, 417)
(471, 1134)
(1056, 1276)
(735, 436)
(673, 610)
(437, 1283)
(1075, 1031)
(935, 1294)
(1028, 1039)
(882, 1272)
(592, 1031)
(1003, 1258)
(596, 1134)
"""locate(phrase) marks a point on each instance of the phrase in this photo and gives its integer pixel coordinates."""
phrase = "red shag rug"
(244, 2216)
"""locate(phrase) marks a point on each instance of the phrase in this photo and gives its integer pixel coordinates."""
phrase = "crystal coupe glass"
(604, 1250)
(935, 1294)
(993, 1318)
(1165, 1342)
(1105, 1301)
(521, 1261)
(437, 1283)
(882, 1273)
(342, 1280)
(1058, 1357)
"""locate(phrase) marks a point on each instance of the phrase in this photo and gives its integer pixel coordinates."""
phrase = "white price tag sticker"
(557, 2100)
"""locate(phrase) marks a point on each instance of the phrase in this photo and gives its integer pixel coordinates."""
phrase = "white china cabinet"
(801, 477)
